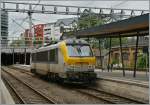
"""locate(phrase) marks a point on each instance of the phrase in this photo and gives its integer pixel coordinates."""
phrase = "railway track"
(16, 96)
(107, 97)
(25, 92)
(98, 94)
(20, 69)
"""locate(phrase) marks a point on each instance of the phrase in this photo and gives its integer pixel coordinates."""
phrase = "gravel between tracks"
(59, 93)
(27, 94)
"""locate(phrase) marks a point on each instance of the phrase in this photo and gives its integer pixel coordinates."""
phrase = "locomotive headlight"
(91, 67)
(71, 66)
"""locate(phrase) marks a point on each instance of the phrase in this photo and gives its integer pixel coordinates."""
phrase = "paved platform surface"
(6, 98)
(118, 74)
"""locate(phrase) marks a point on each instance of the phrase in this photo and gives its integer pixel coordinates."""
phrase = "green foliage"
(88, 19)
(142, 61)
(115, 61)
(17, 43)
(37, 42)
(104, 43)
(114, 42)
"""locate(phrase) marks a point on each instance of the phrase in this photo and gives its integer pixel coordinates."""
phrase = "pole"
(30, 27)
(13, 57)
(121, 55)
(25, 56)
(109, 54)
(100, 56)
(135, 60)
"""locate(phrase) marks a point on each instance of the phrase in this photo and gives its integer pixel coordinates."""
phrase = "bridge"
(70, 10)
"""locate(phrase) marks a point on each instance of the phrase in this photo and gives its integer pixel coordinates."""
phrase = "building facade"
(39, 33)
(55, 30)
(44, 33)
(128, 54)
(4, 28)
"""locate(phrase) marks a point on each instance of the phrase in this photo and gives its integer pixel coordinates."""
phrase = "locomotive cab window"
(76, 50)
(53, 56)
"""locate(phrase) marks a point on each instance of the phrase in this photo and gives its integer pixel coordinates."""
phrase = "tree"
(114, 42)
(89, 19)
(142, 61)
(17, 43)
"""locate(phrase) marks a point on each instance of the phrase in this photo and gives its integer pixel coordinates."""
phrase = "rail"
(108, 97)
(50, 100)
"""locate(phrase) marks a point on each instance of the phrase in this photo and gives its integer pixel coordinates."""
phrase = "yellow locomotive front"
(79, 61)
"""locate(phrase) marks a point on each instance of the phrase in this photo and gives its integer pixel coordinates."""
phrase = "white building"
(54, 30)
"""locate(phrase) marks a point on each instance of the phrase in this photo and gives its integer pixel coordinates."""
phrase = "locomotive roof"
(75, 41)
(46, 48)
(68, 41)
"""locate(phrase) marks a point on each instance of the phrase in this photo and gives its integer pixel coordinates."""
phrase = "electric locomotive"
(70, 60)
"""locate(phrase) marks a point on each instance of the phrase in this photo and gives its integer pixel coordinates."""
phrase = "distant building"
(37, 32)
(27, 37)
(50, 31)
(4, 28)
(128, 53)
(55, 30)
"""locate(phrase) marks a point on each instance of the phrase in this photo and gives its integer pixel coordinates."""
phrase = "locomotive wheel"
(48, 76)
(33, 71)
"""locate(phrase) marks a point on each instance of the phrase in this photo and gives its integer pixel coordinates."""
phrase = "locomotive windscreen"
(79, 50)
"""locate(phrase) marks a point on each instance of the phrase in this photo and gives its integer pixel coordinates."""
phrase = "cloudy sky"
(15, 30)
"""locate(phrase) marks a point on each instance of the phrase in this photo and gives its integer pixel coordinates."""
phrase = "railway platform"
(6, 98)
(118, 74)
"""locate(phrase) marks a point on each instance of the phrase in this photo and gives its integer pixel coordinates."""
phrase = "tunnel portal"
(15, 58)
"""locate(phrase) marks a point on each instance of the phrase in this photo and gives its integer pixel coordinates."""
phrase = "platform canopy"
(133, 26)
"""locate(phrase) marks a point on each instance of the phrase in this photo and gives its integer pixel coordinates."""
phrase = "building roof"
(134, 26)
(66, 21)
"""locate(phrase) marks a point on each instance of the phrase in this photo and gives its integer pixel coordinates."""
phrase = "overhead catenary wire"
(121, 3)
(22, 22)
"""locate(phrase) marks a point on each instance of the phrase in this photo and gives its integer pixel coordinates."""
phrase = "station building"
(128, 53)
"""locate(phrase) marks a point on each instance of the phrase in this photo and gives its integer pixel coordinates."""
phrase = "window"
(79, 50)
(125, 56)
(33, 57)
(53, 55)
(117, 56)
(42, 56)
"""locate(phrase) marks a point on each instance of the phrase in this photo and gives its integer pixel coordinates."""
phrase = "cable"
(20, 24)
(37, 4)
(119, 4)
